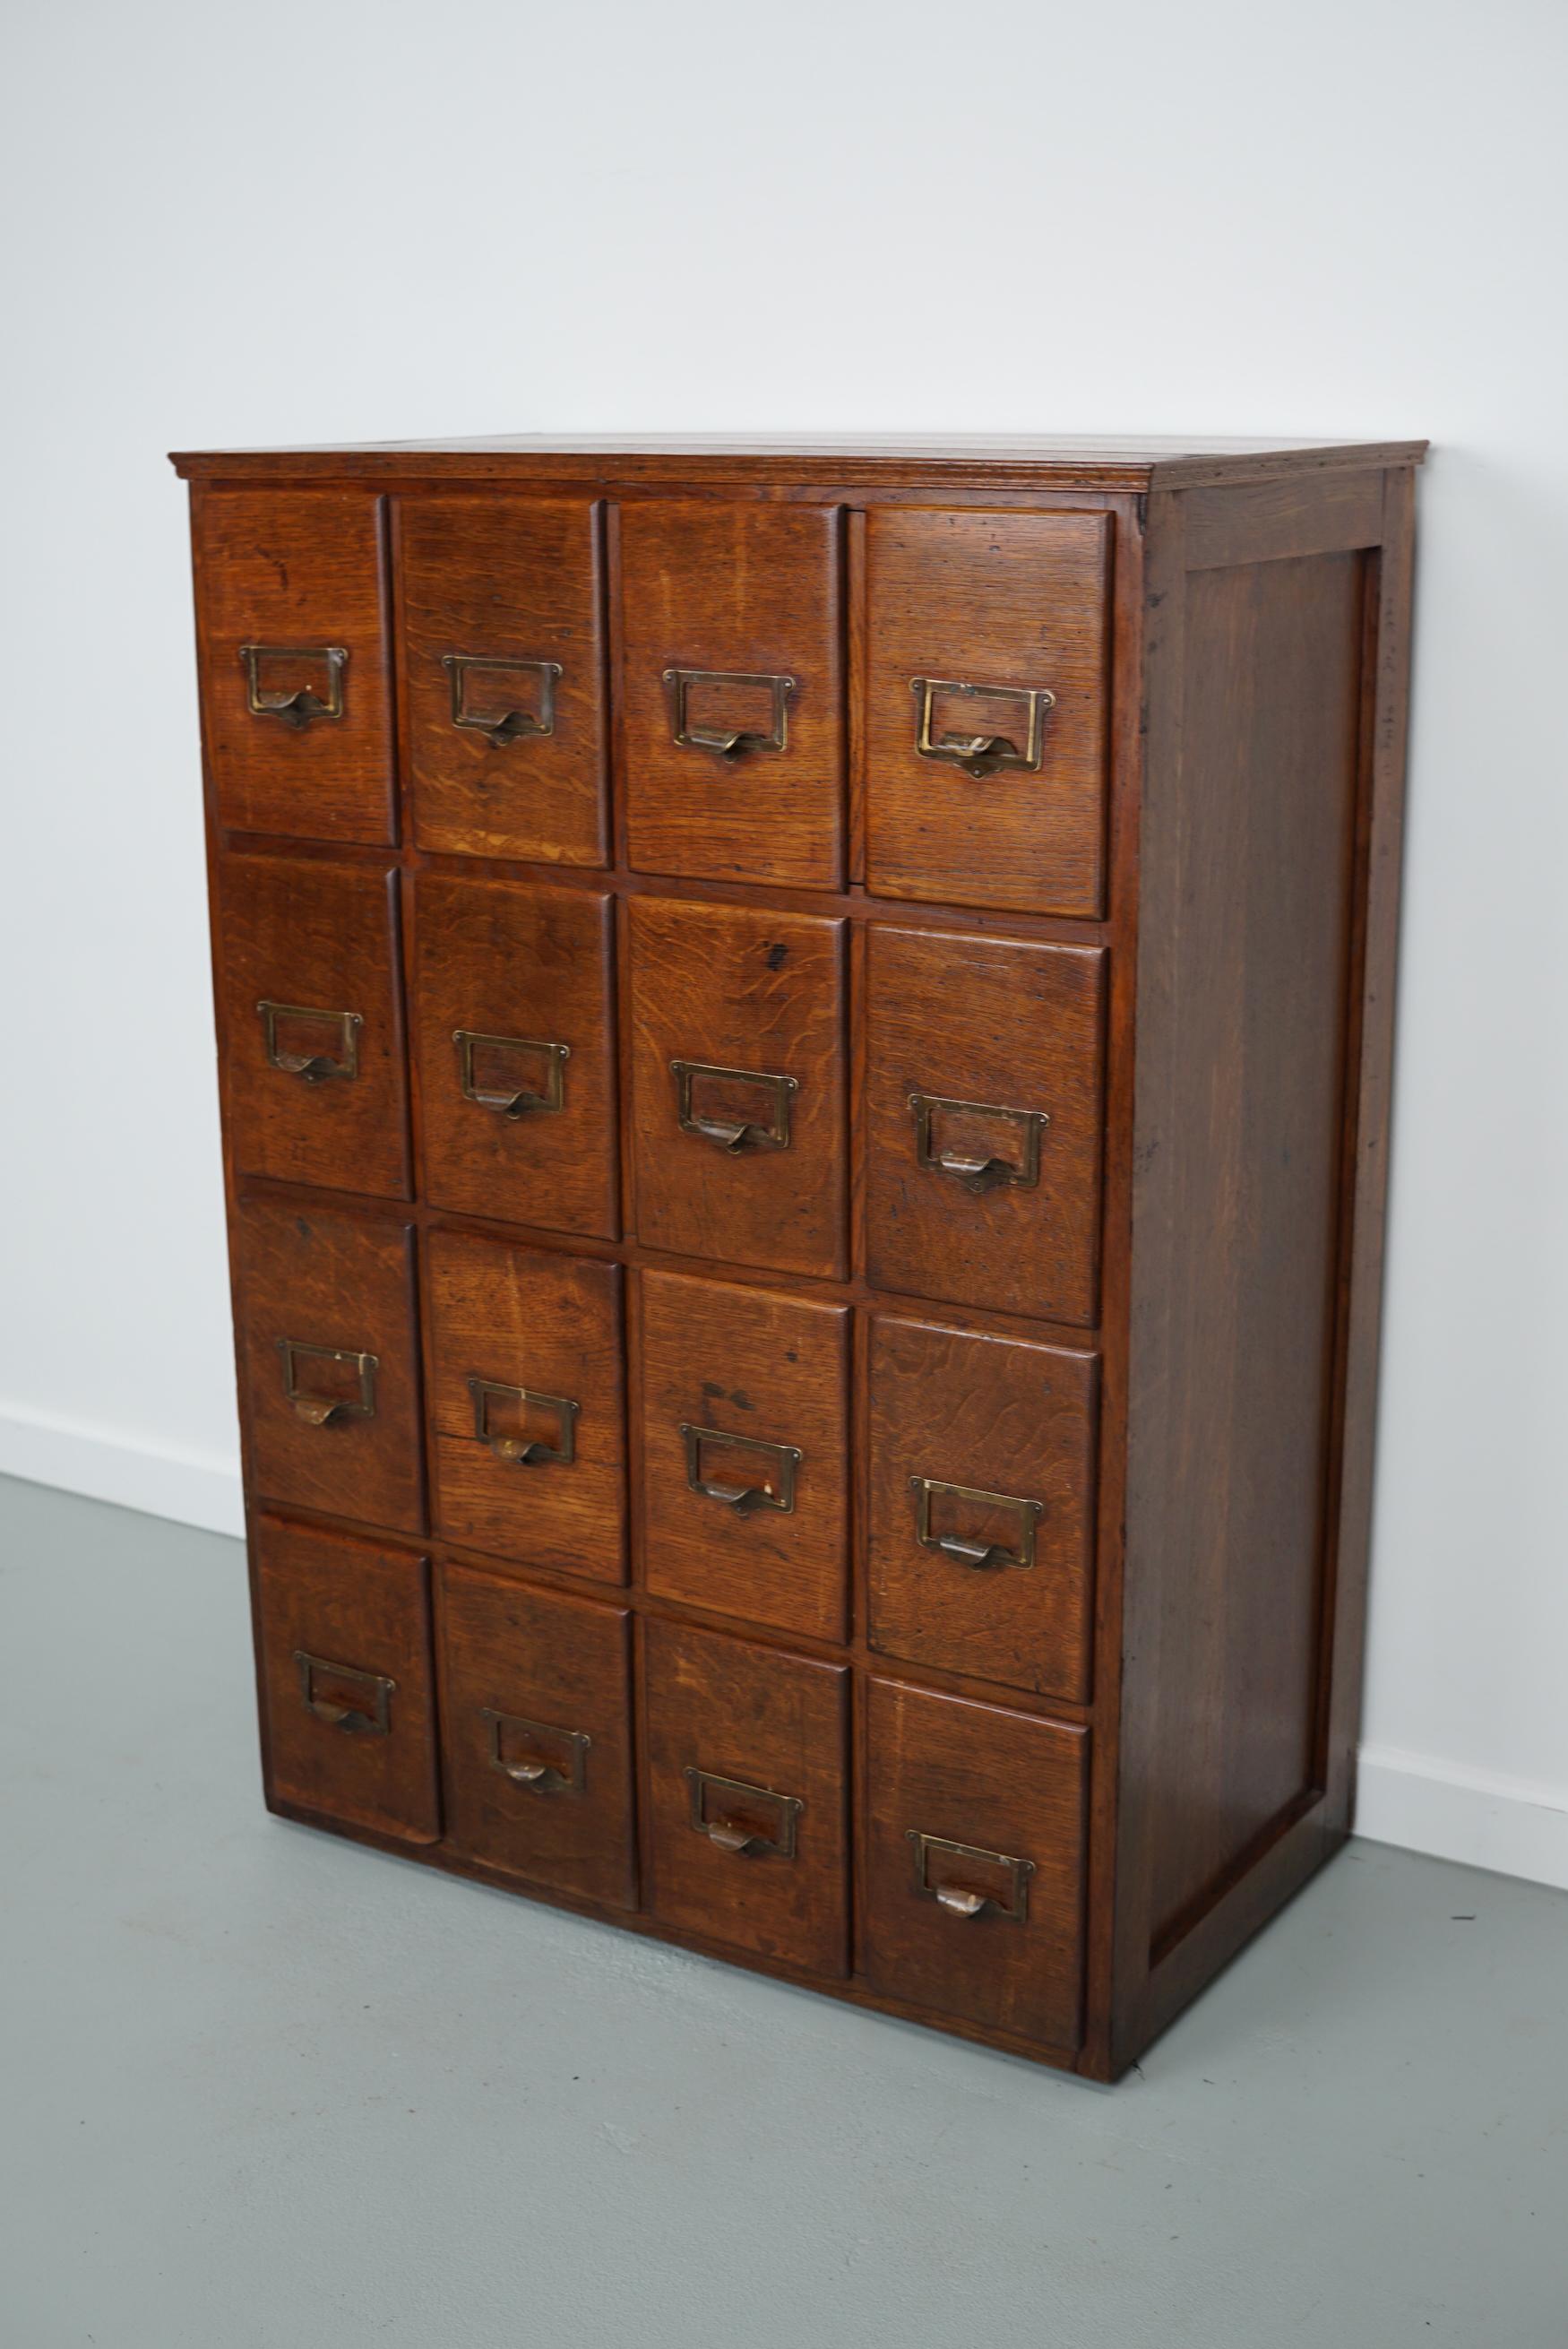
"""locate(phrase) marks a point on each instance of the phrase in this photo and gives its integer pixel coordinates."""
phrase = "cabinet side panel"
(1241, 1162)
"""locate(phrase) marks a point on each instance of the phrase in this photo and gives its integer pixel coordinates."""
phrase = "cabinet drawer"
(983, 1112)
(745, 1452)
(515, 1042)
(310, 1024)
(526, 1404)
(345, 1674)
(746, 1795)
(325, 1312)
(987, 637)
(503, 668)
(733, 691)
(982, 1494)
(294, 686)
(737, 1098)
(975, 1861)
(536, 1735)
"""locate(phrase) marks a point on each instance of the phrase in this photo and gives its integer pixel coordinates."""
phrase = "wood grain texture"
(506, 579)
(535, 966)
(1006, 1025)
(300, 569)
(992, 1416)
(738, 987)
(1235, 1212)
(1276, 520)
(549, 1325)
(744, 590)
(760, 1368)
(556, 1669)
(988, 599)
(344, 1283)
(324, 937)
(1385, 698)
(776, 1724)
(1002, 1783)
(365, 1611)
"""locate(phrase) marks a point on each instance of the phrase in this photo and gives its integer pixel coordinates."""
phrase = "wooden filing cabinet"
(805, 1040)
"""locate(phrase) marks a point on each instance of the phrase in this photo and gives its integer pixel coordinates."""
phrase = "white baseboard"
(163, 1481)
(1512, 1826)
(1515, 1827)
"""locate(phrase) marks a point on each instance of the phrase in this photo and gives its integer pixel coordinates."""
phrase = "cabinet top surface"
(1081, 462)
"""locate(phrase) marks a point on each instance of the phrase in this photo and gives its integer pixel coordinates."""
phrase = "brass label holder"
(728, 1826)
(524, 1101)
(733, 1135)
(514, 723)
(956, 1861)
(298, 705)
(328, 1410)
(978, 1174)
(742, 1498)
(520, 1451)
(980, 1555)
(312, 1068)
(537, 1777)
(728, 742)
(981, 754)
(373, 1719)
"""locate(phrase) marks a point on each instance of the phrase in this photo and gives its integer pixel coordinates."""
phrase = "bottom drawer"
(535, 1734)
(346, 1670)
(975, 1861)
(746, 1795)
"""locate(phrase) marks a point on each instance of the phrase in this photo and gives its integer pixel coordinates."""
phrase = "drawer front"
(515, 1042)
(325, 1313)
(746, 1408)
(503, 668)
(526, 1404)
(311, 1023)
(345, 1633)
(294, 686)
(983, 1113)
(536, 1735)
(739, 1082)
(987, 708)
(975, 1861)
(981, 1501)
(746, 1795)
(733, 691)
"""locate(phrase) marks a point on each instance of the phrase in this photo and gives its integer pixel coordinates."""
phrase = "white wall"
(329, 220)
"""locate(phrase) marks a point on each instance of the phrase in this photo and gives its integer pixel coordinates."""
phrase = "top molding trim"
(975, 462)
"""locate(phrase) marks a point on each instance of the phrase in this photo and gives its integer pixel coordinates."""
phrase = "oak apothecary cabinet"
(805, 1043)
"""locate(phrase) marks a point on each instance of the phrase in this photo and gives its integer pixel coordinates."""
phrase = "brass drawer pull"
(983, 754)
(328, 1410)
(539, 1777)
(523, 1102)
(314, 1068)
(522, 1451)
(733, 1135)
(728, 742)
(732, 1825)
(973, 1553)
(373, 1719)
(512, 723)
(295, 706)
(979, 1173)
(742, 1498)
(959, 1883)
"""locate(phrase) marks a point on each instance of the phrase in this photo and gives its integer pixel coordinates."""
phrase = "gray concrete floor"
(259, 2087)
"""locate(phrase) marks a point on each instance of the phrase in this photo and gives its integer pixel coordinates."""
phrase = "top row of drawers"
(983, 670)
